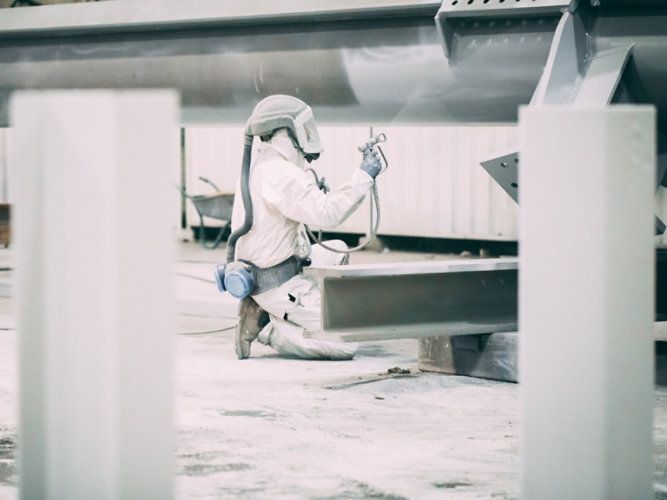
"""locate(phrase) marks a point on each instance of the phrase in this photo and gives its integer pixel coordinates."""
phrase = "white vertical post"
(91, 173)
(586, 301)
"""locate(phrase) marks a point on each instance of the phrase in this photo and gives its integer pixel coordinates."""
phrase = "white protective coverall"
(285, 197)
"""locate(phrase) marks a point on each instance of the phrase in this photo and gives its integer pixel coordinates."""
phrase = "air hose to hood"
(245, 196)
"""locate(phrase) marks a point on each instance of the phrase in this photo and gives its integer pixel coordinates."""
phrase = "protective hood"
(282, 111)
(306, 132)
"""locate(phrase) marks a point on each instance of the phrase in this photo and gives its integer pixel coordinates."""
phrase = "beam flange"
(115, 17)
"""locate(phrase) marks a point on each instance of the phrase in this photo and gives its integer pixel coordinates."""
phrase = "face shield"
(306, 134)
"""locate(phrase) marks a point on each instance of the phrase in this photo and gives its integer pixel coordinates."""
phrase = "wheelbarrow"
(216, 206)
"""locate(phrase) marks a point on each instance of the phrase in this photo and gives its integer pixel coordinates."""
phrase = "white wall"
(434, 187)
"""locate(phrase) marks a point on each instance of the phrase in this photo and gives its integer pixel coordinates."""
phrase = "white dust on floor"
(271, 427)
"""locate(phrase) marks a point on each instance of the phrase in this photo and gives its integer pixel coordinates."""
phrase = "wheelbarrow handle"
(183, 192)
(207, 181)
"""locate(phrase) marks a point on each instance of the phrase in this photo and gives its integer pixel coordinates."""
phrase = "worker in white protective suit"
(284, 197)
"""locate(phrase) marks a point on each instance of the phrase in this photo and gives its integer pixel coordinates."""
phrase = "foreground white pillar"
(586, 302)
(91, 173)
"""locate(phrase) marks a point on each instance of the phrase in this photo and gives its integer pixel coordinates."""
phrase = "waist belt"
(274, 276)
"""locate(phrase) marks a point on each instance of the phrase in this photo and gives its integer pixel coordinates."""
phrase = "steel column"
(94, 252)
(586, 301)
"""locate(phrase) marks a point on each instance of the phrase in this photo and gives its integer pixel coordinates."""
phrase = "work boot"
(252, 318)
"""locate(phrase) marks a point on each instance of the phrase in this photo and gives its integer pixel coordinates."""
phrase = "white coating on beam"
(586, 301)
(94, 255)
(408, 268)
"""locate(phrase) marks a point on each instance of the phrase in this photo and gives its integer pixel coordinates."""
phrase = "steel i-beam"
(424, 299)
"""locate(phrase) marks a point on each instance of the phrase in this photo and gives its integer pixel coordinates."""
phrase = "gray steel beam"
(110, 17)
(428, 299)
(483, 16)
(379, 61)
(580, 71)
(379, 302)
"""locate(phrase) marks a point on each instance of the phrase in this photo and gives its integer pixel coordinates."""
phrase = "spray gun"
(364, 149)
(373, 143)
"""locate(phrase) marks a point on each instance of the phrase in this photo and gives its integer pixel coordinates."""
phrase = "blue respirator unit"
(236, 278)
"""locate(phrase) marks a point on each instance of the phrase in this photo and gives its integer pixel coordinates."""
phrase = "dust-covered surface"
(272, 427)
(373, 427)
(279, 428)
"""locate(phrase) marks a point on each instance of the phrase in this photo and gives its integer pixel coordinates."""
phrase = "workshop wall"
(434, 187)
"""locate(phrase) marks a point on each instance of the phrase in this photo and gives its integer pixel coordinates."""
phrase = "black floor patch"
(208, 469)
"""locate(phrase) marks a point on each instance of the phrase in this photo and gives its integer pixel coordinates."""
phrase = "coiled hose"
(373, 227)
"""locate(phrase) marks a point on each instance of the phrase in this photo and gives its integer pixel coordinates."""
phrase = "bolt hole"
(516, 160)
(503, 164)
(470, 1)
(514, 185)
(455, 2)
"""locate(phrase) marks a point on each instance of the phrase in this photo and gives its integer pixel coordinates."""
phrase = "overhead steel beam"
(402, 300)
(109, 17)
(378, 61)
(455, 20)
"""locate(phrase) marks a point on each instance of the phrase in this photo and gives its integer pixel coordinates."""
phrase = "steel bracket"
(575, 74)
(454, 14)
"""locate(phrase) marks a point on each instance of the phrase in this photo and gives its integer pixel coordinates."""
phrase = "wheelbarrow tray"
(216, 206)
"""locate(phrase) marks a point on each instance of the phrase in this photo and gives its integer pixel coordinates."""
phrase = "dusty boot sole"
(252, 318)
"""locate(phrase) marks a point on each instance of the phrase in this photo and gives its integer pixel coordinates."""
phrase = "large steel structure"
(387, 61)
(380, 61)
(383, 61)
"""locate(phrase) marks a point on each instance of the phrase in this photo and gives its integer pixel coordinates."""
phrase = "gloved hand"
(371, 164)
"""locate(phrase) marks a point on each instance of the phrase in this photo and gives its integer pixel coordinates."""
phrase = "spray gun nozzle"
(366, 148)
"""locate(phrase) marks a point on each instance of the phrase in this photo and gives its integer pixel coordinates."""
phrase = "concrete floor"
(274, 427)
